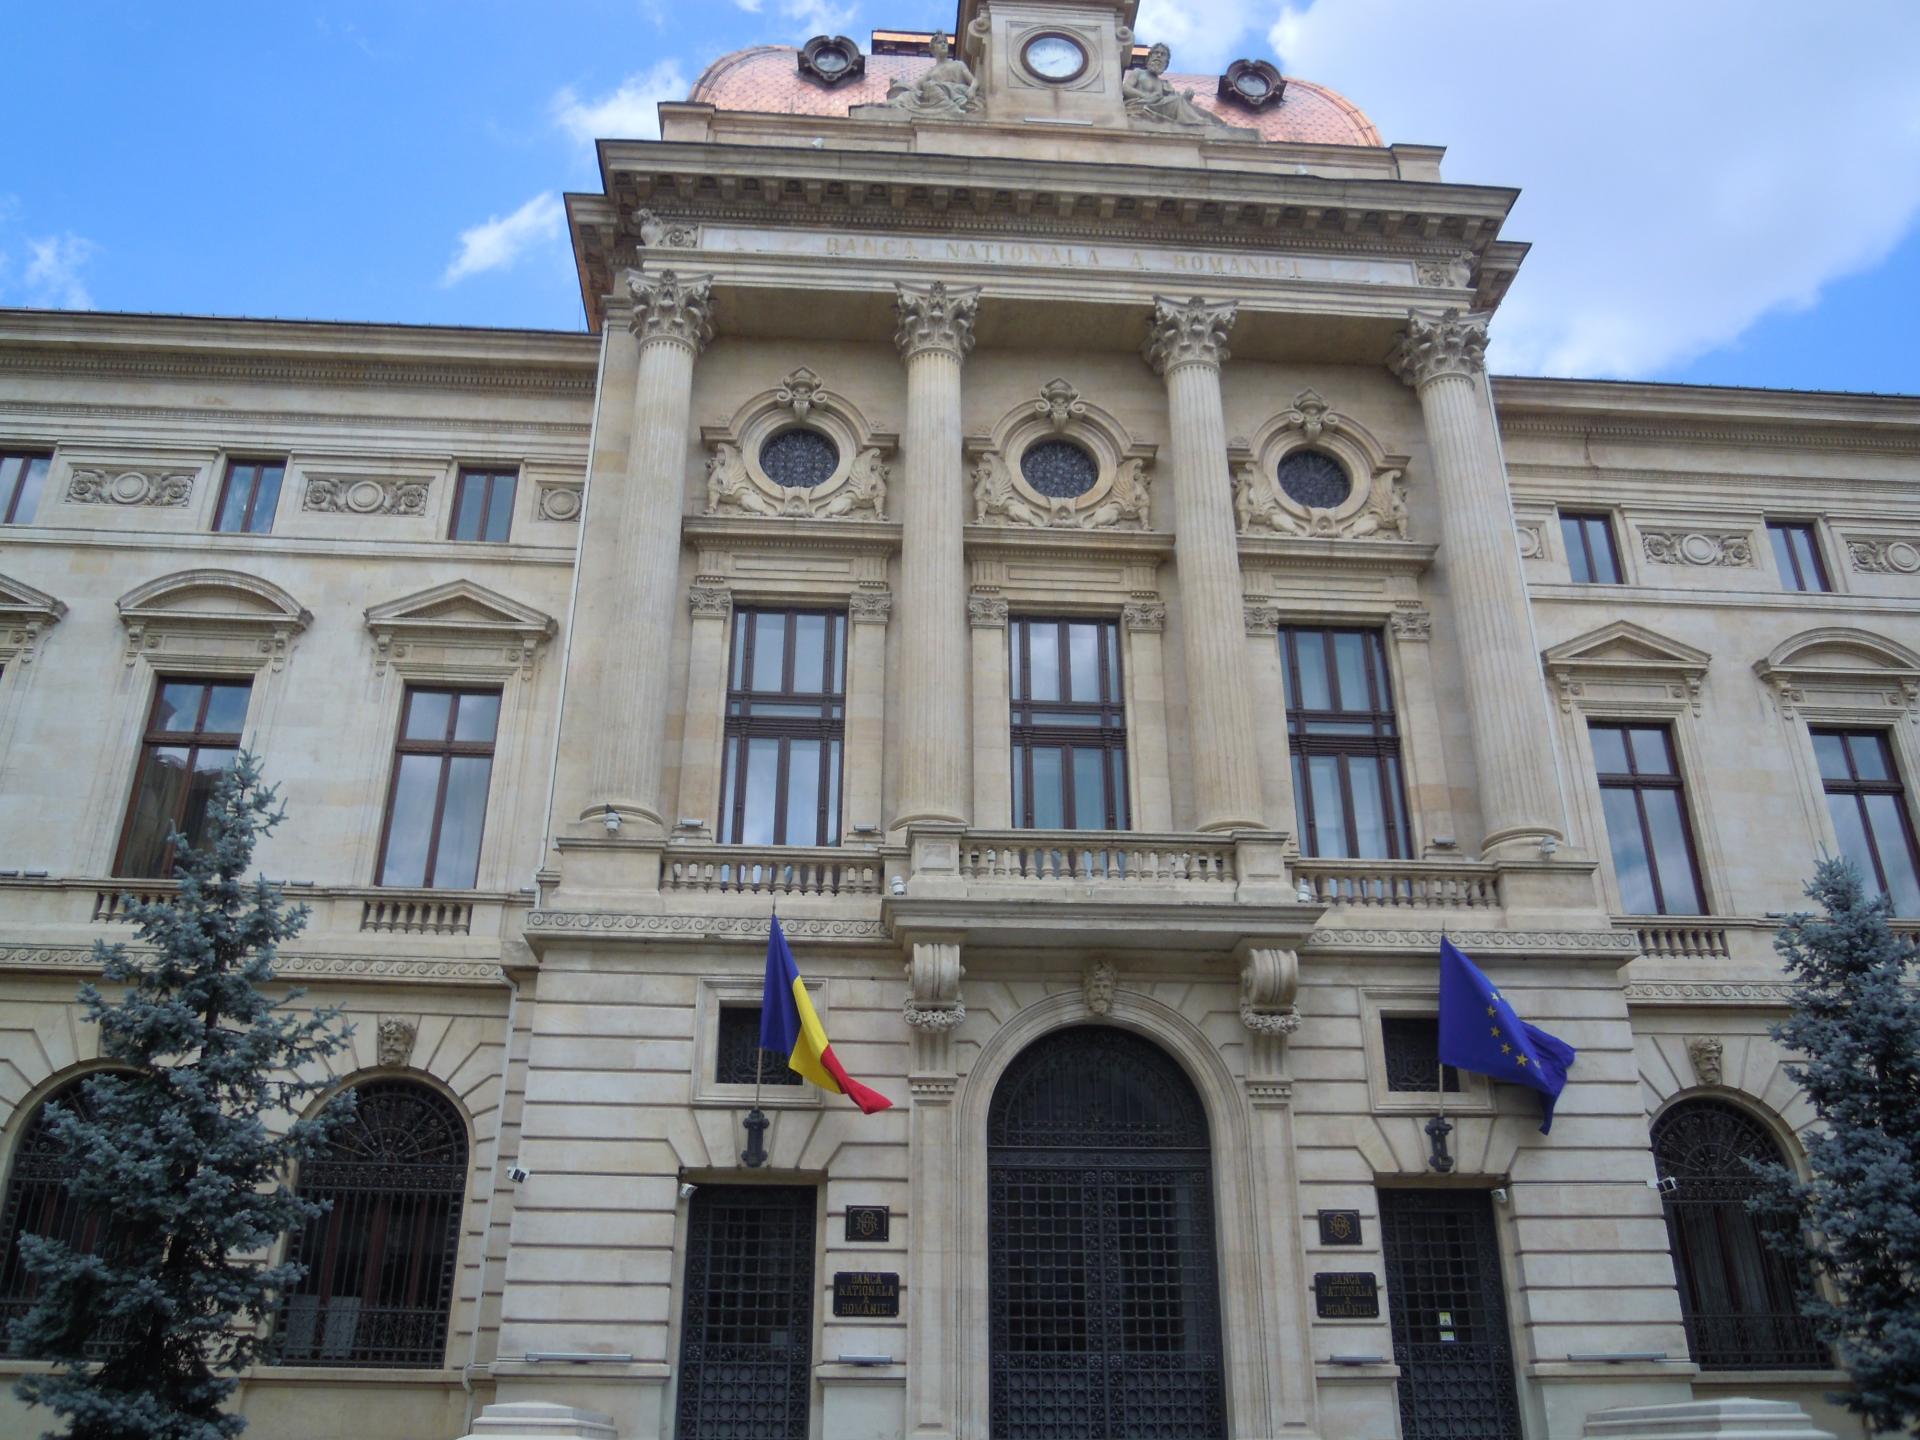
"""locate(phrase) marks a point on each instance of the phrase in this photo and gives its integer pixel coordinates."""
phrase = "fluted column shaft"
(1443, 357)
(1186, 343)
(670, 321)
(935, 769)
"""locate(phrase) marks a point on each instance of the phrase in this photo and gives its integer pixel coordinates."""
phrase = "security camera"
(1548, 845)
(518, 1174)
(897, 885)
(1665, 1184)
(687, 1187)
(612, 821)
(1500, 1195)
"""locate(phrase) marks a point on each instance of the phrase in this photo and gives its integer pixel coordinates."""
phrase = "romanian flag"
(789, 1027)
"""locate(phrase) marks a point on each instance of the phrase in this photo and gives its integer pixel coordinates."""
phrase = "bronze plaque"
(868, 1222)
(1339, 1227)
(866, 1295)
(1346, 1295)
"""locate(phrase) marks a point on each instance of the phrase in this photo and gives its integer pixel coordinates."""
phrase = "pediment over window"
(1624, 657)
(211, 614)
(25, 615)
(460, 625)
(1847, 666)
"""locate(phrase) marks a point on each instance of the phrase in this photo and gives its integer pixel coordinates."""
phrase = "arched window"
(1739, 1291)
(380, 1262)
(38, 1203)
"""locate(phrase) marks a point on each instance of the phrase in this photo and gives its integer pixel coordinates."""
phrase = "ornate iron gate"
(1449, 1316)
(1104, 1291)
(746, 1341)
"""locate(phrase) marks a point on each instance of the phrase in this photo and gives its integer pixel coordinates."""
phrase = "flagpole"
(755, 1155)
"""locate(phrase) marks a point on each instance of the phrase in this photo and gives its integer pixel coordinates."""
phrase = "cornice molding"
(18, 359)
(319, 967)
(1769, 993)
(1817, 435)
(1622, 943)
(277, 421)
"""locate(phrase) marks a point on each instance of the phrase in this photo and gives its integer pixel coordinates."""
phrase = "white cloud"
(52, 278)
(752, 7)
(1687, 169)
(1204, 35)
(629, 113)
(818, 17)
(502, 239)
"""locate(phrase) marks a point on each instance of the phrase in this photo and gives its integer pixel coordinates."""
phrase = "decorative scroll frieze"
(285, 965)
(130, 487)
(365, 495)
(1731, 548)
(671, 307)
(1187, 332)
(1438, 344)
(1623, 942)
(1874, 556)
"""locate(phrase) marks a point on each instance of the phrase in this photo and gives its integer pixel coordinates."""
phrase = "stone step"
(1734, 1419)
(540, 1420)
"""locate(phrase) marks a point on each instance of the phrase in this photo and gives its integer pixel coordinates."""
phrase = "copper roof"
(766, 79)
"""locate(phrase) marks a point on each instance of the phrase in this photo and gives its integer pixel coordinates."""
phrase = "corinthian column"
(1186, 343)
(672, 324)
(936, 331)
(1443, 357)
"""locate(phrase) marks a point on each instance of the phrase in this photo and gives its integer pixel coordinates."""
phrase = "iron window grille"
(738, 1058)
(1345, 744)
(1314, 479)
(1410, 1045)
(785, 729)
(1869, 810)
(193, 732)
(1592, 558)
(437, 798)
(799, 459)
(381, 1259)
(249, 494)
(1648, 830)
(22, 477)
(483, 505)
(1796, 551)
(1103, 1285)
(1069, 725)
(746, 1334)
(1740, 1287)
(1059, 469)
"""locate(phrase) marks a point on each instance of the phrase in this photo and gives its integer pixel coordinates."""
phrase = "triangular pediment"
(462, 606)
(213, 595)
(1625, 646)
(20, 601)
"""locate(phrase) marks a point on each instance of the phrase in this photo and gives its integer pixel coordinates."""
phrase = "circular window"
(1055, 57)
(1314, 479)
(1252, 85)
(831, 60)
(1059, 469)
(799, 459)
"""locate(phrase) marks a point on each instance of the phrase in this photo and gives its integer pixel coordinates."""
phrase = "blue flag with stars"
(1480, 1032)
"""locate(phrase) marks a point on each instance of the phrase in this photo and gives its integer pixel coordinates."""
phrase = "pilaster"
(869, 611)
(1268, 692)
(992, 743)
(701, 735)
(1144, 620)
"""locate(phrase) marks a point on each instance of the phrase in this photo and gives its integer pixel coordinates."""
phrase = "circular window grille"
(1314, 479)
(1059, 469)
(799, 459)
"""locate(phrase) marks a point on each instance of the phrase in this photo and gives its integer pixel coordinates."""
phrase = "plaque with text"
(1346, 1295)
(1339, 1227)
(868, 1222)
(865, 1295)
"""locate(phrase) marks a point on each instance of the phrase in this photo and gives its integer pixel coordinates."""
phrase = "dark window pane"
(1573, 538)
(1412, 1051)
(1808, 555)
(738, 1058)
(1672, 853)
(1329, 807)
(209, 764)
(158, 802)
(1314, 691)
(1043, 649)
(1343, 734)
(1349, 658)
(410, 826)
(832, 835)
(178, 708)
(741, 620)
(227, 709)
(234, 500)
(769, 650)
(1896, 852)
(1869, 757)
(478, 716)
(1850, 828)
(21, 480)
(1069, 731)
(1631, 866)
(1830, 749)
(1083, 662)
(1650, 752)
(469, 507)
(1783, 558)
(1049, 801)
(1609, 749)
(427, 714)
(499, 521)
(437, 811)
(809, 653)
(803, 792)
(180, 762)
(266, 498)
(761, 792)
(1089, 790)
(1372, 837)
(461, 820)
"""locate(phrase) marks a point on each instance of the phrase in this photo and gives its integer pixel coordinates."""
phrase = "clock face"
(1055, 57)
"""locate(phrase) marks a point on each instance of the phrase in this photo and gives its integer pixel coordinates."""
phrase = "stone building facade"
(1045, 525)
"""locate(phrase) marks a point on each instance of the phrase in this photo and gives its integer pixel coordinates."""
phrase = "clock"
(1055, 58)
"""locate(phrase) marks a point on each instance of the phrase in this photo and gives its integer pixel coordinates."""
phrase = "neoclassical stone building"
(1045, 525)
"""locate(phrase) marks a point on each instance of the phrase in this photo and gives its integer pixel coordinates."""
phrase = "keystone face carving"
(395, 1044)
(1099, 985)
(1434, 346)
(1705, 1052)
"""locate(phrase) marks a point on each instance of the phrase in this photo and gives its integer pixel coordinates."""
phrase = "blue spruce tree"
(1857, 1023)
(185, 1152)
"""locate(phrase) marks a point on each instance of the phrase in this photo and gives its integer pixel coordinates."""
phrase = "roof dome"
(767, 79)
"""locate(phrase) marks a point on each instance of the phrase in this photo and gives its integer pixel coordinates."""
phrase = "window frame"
(740, 724)
(1632, 779)
(1384, 743)
(192, 741)
(1860, 789)
(1779, 531)
(1584, 522)
(447, 749)
(256, 464)
(487, 475)
(1108, 735)
(26, 459)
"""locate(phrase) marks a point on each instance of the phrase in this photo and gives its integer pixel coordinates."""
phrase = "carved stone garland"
(854, 489)
(1119, 497)
(1374, 508)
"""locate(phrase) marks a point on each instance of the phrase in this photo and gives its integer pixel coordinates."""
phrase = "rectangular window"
(193, 732)
(483, 505)
(1647, 826)
(21, 477)
(785, 729)
(1796, 550)
(1069, 722)
(248, 496)
(1591, 556)
(1345, 745)
(437, 802)
(1870, 815)
(1411, 1045)
(738, 1059)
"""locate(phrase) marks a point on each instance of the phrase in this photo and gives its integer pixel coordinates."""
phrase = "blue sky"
(1724, 192)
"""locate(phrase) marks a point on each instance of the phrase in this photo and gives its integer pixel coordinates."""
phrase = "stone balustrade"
(1399, 884)
(1119, 858)
(770, 870)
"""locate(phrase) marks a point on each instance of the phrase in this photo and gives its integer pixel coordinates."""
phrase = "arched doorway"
(1739, 1291)
(1103, 1288)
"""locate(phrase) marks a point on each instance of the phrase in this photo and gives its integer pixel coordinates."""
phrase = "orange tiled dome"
(766, 78)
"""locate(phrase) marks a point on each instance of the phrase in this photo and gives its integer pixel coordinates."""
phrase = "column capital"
(1438, 343)
(870, 607)
(709, 596)
(932, 317)
(671, 307)
(986, 612)
(1182, 332)
(1144, 616)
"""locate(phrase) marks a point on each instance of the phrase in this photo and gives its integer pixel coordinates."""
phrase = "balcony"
(1399, 884)
(776, 871)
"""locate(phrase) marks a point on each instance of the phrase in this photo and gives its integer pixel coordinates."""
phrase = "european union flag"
(1480, 1032)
